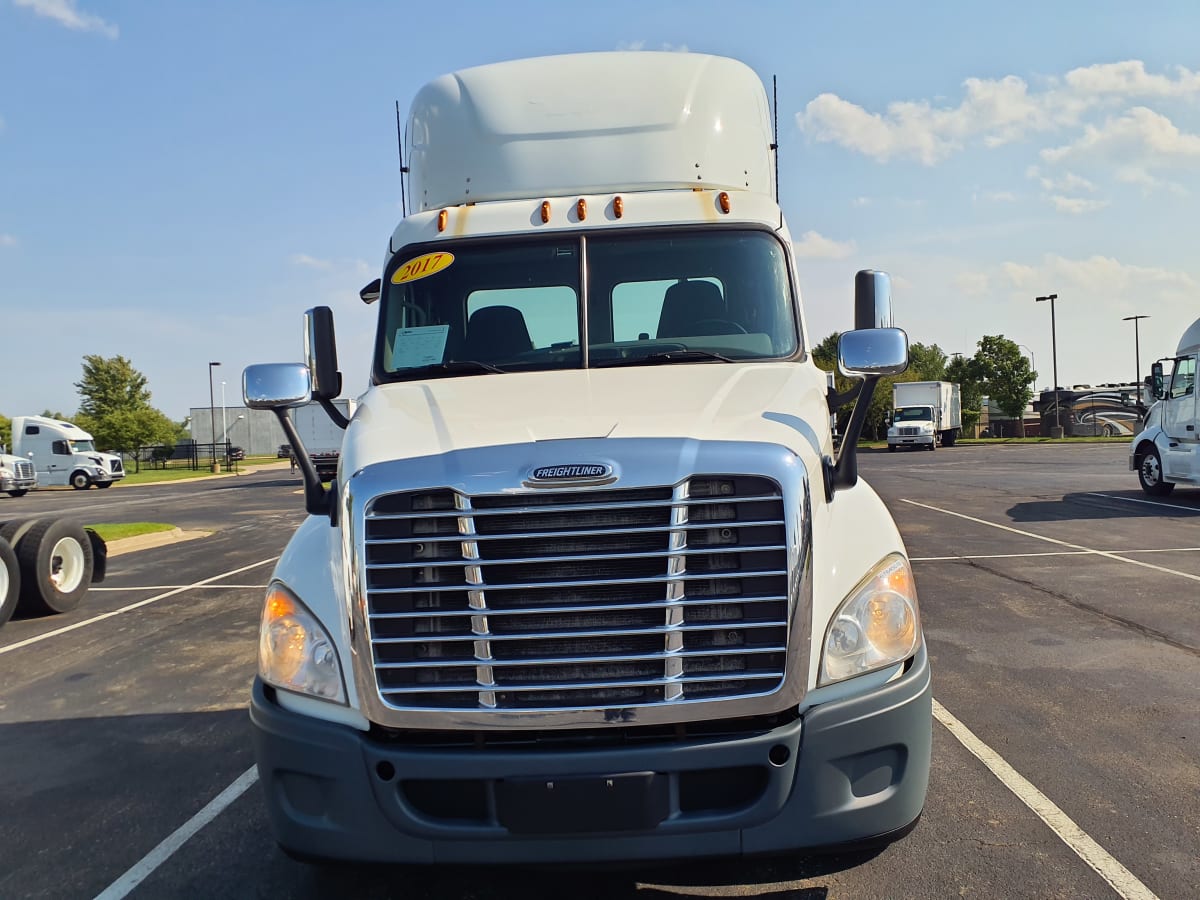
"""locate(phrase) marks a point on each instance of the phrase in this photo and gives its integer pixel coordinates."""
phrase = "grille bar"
(425, 589)
(579, 660)
(589, 507)
(594, 685)
(580, 557)
(562, 610)
(566, 532)
(440, 638)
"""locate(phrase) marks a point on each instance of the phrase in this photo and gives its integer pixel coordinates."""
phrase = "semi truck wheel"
(56, 561)
(1151, 476)
(104, 484)
(10, 582)
(80, 481)
(20, 493)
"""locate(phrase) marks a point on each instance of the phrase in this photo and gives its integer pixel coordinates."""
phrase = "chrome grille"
(23, 468)
(909, 431)
(578, 599)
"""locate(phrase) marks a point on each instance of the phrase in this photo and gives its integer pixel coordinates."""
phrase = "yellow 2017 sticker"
(422, 267)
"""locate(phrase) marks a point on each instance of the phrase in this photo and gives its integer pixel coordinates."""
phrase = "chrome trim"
(645, 464)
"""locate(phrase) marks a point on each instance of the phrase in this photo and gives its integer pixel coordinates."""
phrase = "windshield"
(520, 305)
(82, 446)
(914, 414)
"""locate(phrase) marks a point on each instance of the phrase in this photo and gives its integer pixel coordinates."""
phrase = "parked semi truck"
(17, 475)
(63, 453)
(47, 564)
(924, 414)
(322, 438)
(592, 581)
(1167, 450)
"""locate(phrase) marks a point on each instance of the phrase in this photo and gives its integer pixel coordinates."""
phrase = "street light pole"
(1137, 351)
(212, 417)
(224, 425)
(1058, 429)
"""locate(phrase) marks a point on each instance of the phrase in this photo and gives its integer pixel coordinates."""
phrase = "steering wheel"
(725, 326)
(418, 314)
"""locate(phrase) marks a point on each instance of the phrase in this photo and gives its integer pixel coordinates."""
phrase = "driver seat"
(687, 303)
(496, 333)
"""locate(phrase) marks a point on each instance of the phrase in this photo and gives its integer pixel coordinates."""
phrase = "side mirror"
(873, 352)
(276, 386)
(371, 292)
(1156, 381)
(320, 352)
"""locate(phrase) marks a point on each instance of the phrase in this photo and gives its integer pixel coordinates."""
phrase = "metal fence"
(187, 455)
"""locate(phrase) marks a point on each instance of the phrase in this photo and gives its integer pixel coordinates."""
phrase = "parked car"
(236, 453)
(284, 451)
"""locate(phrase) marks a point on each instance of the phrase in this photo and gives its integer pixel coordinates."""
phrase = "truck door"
(1179, 418)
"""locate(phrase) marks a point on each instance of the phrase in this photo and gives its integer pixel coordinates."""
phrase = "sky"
(179, 181)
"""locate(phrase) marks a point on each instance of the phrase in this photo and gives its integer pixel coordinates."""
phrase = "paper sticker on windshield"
(422, 267)
(423, 346)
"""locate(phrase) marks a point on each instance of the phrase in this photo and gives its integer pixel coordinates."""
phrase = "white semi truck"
(925, 413)
(592, 582)
(63, 453)
(1167, 450)
(17, 475)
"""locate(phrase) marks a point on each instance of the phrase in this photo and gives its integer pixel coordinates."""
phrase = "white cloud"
(861, 201)
(1139, 135)
(67, 14)
(7, 240)
(994, 196)
(311, 262)
(816, 246)
(1096, 276)
(1076, 205)
(1130, 79)
(972, 284)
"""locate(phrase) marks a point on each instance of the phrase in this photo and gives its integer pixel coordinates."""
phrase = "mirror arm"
(843, 473)
(836, 400)
(317, 500)
(334, 413)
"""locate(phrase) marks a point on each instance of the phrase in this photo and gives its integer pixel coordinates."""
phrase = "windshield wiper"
(664, 357)
(453, 367)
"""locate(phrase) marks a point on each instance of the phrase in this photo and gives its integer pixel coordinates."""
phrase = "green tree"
(110, 384)
(1006, 375)
(963, 371)
(127, 430)
(5, 431)
(926, 363)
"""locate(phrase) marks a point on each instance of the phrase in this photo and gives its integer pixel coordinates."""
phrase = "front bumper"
(920, 440)
(847, 772)
(17, 484)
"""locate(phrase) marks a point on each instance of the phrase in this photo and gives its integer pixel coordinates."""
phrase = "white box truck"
(592, 582)
(1167, 450)
(925, 413)
(63, 453)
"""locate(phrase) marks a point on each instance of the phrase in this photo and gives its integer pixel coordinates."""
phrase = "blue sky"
(179, 181)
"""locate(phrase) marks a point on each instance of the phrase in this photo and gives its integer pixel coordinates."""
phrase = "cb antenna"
(775, 131)
(403, 167)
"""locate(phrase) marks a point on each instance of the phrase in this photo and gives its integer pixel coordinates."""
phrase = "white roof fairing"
(589, 123)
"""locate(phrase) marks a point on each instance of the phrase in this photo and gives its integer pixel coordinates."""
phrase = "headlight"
(877, 625)
(927, 427)
(294, 651)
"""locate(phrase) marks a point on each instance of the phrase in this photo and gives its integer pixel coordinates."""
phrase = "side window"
(61, 448)
(33, 429)
(1183, 379)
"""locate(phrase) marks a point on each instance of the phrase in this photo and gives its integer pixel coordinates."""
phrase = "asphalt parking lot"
(1060, 611)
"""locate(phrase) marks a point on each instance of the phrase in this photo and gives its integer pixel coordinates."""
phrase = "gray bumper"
(17, 484)
(849, 772)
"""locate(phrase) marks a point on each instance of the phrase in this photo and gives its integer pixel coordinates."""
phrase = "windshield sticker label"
(422, 267)
(424, 346)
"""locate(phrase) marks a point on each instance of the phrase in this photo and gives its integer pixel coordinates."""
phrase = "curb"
(155, 539)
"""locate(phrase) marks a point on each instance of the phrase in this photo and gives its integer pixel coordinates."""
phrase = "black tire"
(1150, 473)
(20, 493)
(80, 481)
(933, 444)
(56, 565)
(10, 582)
(891, 448)
(104, 484)
(949, 437)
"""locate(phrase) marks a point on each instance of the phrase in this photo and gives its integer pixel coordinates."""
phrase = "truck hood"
(779, 403)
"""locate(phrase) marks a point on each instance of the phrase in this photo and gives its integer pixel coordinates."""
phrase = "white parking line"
(144, 867)
(1049, 553)
(1108, 554)
(173, 587)
(1174, 506)
(1124, 882)
(124, 609)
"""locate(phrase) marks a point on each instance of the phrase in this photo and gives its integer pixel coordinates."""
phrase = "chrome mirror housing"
(873, 352)
(276, 385)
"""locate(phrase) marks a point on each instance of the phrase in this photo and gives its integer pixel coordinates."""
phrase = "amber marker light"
(443, 218)
(545, 211)
(279, 604)
(581, 209)
(618, 207)
(723, 201)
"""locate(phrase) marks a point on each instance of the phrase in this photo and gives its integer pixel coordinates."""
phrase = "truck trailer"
(924, 414)
(592, 582)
